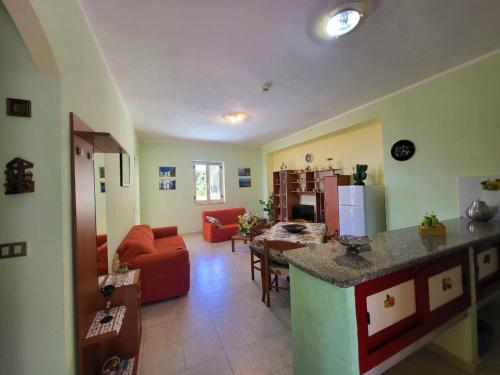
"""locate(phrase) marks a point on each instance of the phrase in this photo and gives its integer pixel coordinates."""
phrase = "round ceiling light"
(235, 117)
(341, 20)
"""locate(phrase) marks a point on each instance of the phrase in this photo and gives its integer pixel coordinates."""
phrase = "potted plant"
(360, 175)
(268, 209)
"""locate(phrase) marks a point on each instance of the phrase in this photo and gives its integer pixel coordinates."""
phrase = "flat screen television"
(303, 211)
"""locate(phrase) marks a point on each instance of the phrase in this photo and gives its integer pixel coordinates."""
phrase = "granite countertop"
(388, 252)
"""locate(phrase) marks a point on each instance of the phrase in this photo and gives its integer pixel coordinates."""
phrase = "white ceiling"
(181, 64)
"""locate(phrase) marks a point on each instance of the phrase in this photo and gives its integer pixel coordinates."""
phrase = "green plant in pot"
(360, 175)
(268, 208)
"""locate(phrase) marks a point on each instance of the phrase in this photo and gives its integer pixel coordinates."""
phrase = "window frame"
(222, 186)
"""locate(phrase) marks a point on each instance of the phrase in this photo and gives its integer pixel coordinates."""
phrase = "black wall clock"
(403, 150)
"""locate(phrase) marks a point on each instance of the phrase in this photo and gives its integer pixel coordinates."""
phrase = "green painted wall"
(453, 120)
(32, 332)
(176, 207)
(41, 340)
(324, 329)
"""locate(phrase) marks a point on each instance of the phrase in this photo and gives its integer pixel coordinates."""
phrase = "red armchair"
(228, 217)
(163, 259)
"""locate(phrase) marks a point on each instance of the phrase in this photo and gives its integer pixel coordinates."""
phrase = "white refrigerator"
(361, 209)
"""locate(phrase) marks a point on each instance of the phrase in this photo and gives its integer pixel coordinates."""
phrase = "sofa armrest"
(164, 232)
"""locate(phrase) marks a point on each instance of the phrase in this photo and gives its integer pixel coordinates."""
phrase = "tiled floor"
(221, 327)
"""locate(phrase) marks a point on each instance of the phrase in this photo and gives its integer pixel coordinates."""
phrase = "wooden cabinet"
(284, 184)
(487, 269)
(446, 287)
(391, 306)
(331, 202)
(395, 310)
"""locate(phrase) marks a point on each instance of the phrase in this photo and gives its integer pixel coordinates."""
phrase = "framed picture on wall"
(102, 172)
(242, 172)
(124, 169)
(167, 171)
(167, 184)
(245, 182)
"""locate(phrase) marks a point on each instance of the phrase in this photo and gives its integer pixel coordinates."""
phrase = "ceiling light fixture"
(235, 117)
(341, 20)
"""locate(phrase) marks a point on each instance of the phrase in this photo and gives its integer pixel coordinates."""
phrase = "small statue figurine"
(360, 175)
(19, 178)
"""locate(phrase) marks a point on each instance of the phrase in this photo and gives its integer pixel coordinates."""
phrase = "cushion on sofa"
(139, 240)
(171, 243)
(214, 220)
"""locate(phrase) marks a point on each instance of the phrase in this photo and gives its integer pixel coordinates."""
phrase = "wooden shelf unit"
(290, 185)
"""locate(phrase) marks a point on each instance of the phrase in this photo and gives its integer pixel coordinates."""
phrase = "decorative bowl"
(294, 228)
(352, 244)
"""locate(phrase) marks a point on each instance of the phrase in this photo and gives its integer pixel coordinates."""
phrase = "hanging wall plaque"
(403, 150)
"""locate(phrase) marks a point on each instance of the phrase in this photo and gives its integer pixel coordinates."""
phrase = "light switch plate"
(11, 250)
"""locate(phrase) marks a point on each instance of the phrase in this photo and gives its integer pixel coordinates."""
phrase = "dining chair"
(254, 257)
(299, 221)
(271, 271)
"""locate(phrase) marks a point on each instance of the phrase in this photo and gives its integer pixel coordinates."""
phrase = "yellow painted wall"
(361, 144)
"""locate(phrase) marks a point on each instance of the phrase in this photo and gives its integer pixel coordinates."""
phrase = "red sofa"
(228, 217)
(102, 254)
(163, 259)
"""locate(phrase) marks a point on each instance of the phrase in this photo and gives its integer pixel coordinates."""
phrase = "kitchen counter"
(389, 252)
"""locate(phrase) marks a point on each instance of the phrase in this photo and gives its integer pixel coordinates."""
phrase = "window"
(208, 181)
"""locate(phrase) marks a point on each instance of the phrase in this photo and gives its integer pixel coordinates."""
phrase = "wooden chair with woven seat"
(254, 257)
(300, 221)
(269, 269)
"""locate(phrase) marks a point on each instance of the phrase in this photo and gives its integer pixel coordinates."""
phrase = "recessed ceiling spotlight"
(341, 20)
(236, 117)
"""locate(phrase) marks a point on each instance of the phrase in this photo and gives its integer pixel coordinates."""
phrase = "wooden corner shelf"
(98, 332)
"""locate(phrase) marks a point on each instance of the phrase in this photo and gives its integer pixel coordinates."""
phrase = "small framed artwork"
(167, 171)
(124, 169)
(245, 182)
(167, 184)
(102, 172)
(242, 172)
(18, 107)
(103, 187)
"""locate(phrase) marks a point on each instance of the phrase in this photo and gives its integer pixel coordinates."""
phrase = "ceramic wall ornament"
(403, 150)
(19, 178)
(309, 158)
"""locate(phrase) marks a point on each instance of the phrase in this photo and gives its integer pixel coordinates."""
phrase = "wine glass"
(107, 291)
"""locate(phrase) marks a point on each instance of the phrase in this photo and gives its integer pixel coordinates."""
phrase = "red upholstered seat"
(163, 259)
(228, 217)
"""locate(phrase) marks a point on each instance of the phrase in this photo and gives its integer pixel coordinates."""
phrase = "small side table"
(239, 237)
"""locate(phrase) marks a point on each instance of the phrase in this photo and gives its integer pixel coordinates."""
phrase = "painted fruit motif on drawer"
(390, 306)
(487, 263)
(445, 287)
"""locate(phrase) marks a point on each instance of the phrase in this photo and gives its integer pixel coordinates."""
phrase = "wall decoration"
(19, 179)
(167, 171)
(403, 150)
(103, 187)
(124, 170)
(244, 172)
(309, 158)
(167, 184)
(245, 182)
(102, 172)
(18, 107)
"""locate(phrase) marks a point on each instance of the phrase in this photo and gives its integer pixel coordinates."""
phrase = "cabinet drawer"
(390, 306)
(487, 263)
(445, 286)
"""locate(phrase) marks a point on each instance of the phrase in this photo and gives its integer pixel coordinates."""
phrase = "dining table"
(313, 234)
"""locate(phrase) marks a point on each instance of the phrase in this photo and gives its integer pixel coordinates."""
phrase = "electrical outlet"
(14, 249)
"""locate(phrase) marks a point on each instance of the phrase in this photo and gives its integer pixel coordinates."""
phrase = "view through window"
(208, 181)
